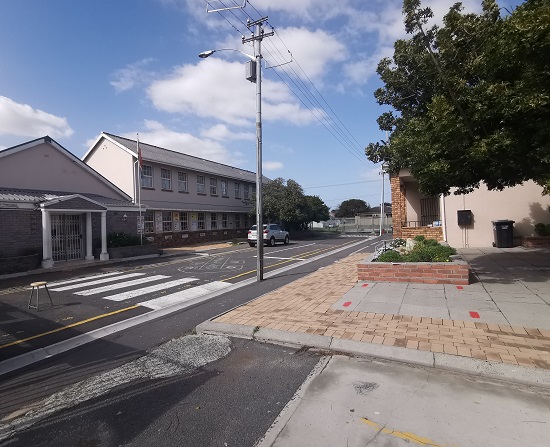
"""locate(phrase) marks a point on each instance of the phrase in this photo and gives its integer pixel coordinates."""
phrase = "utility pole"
(257, 38)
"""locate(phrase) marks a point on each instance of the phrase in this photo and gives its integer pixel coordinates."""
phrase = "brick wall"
(534, 241)
(428, 232)
(20, 233)
(399, 205)
(456, 272)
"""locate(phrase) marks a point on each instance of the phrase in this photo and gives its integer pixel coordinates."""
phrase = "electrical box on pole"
(251, 71)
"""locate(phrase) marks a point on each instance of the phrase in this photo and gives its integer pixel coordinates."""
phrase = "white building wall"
(523, 204)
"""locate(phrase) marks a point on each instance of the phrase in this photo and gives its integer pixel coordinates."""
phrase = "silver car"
(272, 233)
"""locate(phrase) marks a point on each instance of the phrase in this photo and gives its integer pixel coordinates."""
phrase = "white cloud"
(216, 88)
(272, 165)
(133, 74)
(22, 120)
(220, 132)
(158, 135)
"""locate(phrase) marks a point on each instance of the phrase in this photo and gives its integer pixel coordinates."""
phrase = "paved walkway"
(504, 317)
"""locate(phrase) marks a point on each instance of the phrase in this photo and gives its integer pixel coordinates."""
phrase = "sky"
(73, 69)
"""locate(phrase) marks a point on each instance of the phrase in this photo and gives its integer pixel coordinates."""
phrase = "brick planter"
(455, 272)
(535, 241)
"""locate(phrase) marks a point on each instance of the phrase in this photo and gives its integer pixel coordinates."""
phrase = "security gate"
(66, 237)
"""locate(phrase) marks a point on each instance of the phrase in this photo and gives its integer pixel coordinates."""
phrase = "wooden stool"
(37, 285)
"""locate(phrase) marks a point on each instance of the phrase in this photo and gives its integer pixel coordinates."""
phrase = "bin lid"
(503, 221)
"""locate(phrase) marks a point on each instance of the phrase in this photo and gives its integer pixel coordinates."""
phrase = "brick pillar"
(399, 207)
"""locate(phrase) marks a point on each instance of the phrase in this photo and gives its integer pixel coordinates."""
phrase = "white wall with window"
(213, 221)
(166, 221)
(224, 220)
(200, 184)
(223, 184)
(237, 190)
(181, 221)
(149, 222)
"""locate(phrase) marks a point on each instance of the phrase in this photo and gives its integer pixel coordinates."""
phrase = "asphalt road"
(38, 380)
(174, 396)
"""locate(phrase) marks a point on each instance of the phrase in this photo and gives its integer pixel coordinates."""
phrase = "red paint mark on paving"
(346, 304)
(364, 285)
(474, 315)
(459, 287)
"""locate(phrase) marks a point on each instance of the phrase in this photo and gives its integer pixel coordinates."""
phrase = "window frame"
(237, 190)
(246, 193)
(149, 224)
(224, 187)
(201, 186)
(201, 221)
(237, 220)
(213, 186)
(167, 225)
(182, 182)
(164, 179)
(145, 176)
(214, 220)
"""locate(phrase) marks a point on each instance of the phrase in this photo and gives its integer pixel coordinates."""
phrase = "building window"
(165, 179)
(237, 190)
(213, 221)
(147, 176)
(182, 181)
(237, 220)
(224, 188)
(200, 184)
(224, 220)
(166, 221)
(246, 220)
(201, 221)
(181, 221)
(246, 191)
(213, 186)
(149, 222)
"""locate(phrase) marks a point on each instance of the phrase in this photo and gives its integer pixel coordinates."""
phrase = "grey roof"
(36, 196)
(179, 159)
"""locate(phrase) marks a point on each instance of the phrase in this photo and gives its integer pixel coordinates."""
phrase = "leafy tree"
(285, 202)
(352, 207)
(470, 100)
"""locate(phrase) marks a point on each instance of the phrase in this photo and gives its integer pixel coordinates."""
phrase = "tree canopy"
(284, 202)
(351, 207)
(470, 100)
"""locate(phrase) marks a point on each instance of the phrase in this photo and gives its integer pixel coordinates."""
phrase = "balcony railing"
(426, 221)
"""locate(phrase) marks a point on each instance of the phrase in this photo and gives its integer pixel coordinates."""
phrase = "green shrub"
(419, 238)
(542, 229)
(430, 253)
(389, 256)
(122, 240)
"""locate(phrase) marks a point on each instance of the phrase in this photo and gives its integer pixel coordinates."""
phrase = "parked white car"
(272, 233)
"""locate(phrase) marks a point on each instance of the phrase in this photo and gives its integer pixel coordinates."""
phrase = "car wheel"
(272, 242)
(287, 240)
(251, 244)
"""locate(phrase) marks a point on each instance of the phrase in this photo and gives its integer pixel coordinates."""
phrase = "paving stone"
(424, 311)
(484, 317)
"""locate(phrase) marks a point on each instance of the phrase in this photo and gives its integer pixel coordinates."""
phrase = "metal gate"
(429, 210)
(66, 237)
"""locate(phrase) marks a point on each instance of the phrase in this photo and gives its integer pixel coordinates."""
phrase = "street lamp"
(257, 78)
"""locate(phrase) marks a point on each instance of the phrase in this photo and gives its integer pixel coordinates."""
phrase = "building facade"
(466, 220)
(184, 199)
(56, 207)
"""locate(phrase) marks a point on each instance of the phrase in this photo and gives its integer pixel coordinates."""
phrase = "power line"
(341, 184)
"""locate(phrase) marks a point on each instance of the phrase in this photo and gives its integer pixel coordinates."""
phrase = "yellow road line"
(69, 326)
(411, 437)
(302, 255)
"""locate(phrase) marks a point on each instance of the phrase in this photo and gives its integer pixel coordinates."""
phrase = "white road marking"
(275, 257)
(87, 278)
(292, 248)
(120, 285)
(157, 287)
(93, 283)
(184, 295)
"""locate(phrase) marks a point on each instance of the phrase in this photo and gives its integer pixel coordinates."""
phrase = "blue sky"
(71, 69)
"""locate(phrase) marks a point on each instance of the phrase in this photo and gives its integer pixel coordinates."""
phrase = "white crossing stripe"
(86, 278)
(157, 287)
(120, 285)
(184, 295)
(93, 283)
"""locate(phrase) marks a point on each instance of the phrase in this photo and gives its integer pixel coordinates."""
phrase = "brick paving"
(305, 306)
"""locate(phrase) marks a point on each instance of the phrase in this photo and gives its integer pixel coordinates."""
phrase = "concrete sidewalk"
(497, 326)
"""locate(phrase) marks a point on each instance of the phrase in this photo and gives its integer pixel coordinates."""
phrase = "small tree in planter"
(119, 239)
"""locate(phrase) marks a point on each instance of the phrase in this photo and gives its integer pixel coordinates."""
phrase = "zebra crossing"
(116, 281)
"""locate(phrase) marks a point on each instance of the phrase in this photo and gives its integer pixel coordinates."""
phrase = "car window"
(253, 227)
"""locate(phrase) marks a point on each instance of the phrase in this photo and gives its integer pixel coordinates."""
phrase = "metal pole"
(259, 222)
